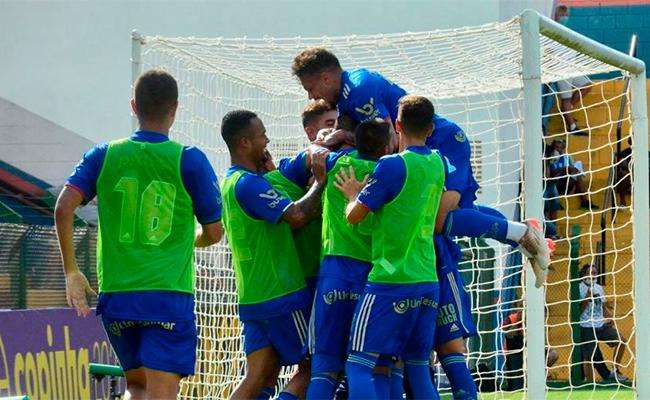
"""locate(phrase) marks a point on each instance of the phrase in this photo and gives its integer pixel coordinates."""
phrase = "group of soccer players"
(344, 256)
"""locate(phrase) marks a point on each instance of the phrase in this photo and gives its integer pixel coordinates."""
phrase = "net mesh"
(473, 76)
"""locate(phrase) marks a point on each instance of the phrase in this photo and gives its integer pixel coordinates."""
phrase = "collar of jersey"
(424, 150)
(234, 168)
(149, 136)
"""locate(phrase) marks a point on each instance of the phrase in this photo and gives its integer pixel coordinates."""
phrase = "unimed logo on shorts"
(115, 328)
(337, 295)
(403, 306)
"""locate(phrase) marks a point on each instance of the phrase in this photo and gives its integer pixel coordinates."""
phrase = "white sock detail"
(516, 230)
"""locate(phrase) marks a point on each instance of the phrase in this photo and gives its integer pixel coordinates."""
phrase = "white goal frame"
(533, 27)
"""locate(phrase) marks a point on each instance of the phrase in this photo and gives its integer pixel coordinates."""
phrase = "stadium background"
(65, 85)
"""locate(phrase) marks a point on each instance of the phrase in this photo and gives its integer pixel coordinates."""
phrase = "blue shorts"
(454, 308)
(311, 283)
(163, 346)
(286, 333)
(396, 320)
(334, 305)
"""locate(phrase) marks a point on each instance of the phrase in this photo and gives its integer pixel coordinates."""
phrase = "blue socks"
(321, 387)
(460, 379)
(382, 386)
(396, 383)
(382, 380)
(478, 224)
(287, 396)
(420, 380)
(359, 371)
(498, 214)
(266, 394)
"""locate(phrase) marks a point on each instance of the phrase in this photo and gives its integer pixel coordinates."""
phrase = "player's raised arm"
(309, 206)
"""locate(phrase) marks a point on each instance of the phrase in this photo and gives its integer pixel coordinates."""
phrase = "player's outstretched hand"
(318, 166)
(76, 289)
(347, 183)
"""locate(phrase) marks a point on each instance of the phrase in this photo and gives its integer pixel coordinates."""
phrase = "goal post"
(533, 24)
(534, 363)
(488, 79)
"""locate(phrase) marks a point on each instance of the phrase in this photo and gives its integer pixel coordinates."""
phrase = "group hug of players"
(344, 257)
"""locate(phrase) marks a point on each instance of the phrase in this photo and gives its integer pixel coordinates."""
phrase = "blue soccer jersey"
(295, 169)
(452, 143)
(365, 95)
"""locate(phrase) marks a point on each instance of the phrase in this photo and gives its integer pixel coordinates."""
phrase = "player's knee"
(163, 387)
(136, 384)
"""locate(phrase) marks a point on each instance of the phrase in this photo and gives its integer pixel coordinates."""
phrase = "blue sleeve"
(85, 173)
(385, 182)
(201, 183)
(330, 161)
(295, 169)
(365, 102)
(458, 154)
(259, 199)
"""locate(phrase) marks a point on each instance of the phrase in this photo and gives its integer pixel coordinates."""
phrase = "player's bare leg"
(298, 383)
(262, 366)
(161, 385)
(136, 384)
(453, 346)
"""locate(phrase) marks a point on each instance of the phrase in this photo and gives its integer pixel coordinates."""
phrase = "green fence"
(31, 272)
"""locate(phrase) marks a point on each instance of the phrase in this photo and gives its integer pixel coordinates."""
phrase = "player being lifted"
(149, 189)
(273, 300)
(396, 315)
(360, 95)
(346, 262)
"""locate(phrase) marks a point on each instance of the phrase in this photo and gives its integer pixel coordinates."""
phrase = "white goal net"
(474, 77)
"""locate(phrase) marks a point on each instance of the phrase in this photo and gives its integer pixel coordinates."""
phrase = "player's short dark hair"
(346, 122)
(234, 126)
(156, 95)
(416, 115)
(372, 137)
(561, 7)
(314, 60)
(315, 109)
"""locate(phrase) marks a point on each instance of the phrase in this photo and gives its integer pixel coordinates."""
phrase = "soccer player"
(273, 300)
(317, 115)
(396, 314)
(360, 95)
(345, 265)
(149, 189)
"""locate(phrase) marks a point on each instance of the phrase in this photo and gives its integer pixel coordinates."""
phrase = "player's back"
(367, 94)
(339, 237)
(402, 241)
(146, 219)
(452, 143)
